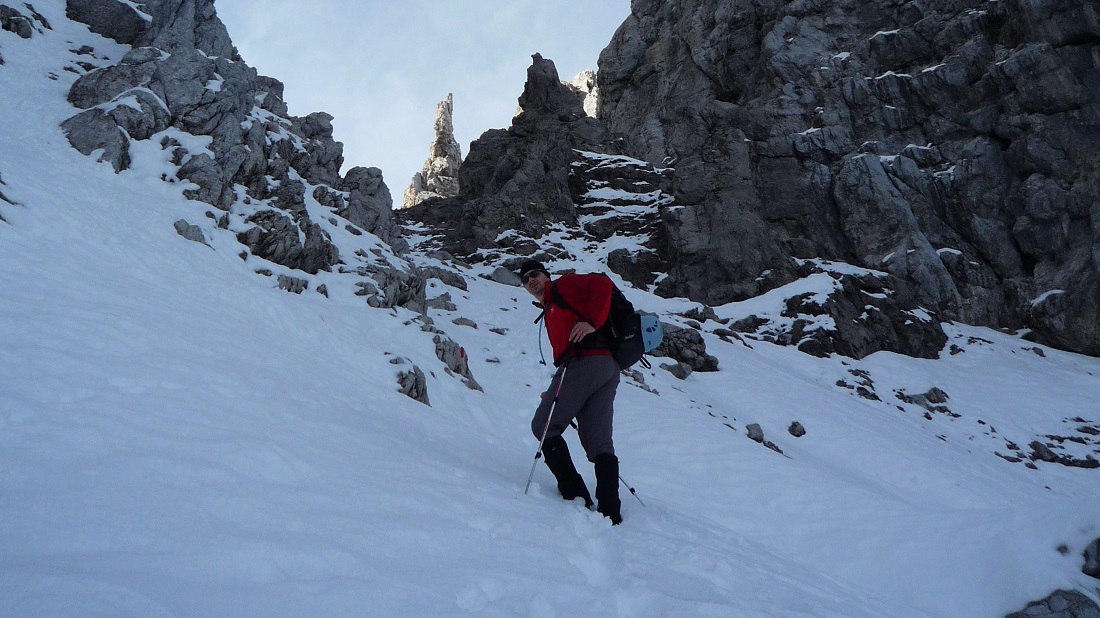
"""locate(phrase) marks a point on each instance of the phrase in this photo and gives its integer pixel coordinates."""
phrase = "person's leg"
(575, 389)
(595, 418)
(595, 424)
(607, 488)
(579, 381)
(570, 483)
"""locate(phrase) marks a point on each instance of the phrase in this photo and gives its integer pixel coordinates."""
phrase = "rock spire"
(439, 177)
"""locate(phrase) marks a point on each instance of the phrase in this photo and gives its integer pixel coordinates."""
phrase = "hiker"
(575, 307)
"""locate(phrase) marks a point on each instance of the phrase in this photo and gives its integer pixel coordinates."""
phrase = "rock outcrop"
(116, 20)
(439, 176)
(1092, 560)
(585, 84)
(227, 130)
(685, 346)
(1060, 604)
(858, 316)
(555, 167)
(23, 22)
(955, 145)
(412, 383)
(518, 178)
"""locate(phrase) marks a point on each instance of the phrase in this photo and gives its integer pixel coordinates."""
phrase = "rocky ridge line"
(272, 180)
(254, 162)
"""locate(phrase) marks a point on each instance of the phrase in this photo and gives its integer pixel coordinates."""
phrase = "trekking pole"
(633, 492)
(546, 428)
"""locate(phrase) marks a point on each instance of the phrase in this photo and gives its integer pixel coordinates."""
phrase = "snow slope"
(179, 437)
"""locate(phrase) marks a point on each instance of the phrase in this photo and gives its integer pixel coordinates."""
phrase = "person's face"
(535, 283)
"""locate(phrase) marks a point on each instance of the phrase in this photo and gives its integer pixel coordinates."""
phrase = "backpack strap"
(601, 337)
(557, 299)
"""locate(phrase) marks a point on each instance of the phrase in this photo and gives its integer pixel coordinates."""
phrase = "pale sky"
(380, 67)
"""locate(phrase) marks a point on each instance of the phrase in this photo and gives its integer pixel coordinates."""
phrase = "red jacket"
(590, 296)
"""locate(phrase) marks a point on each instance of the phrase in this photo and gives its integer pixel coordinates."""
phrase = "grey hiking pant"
(588, 395)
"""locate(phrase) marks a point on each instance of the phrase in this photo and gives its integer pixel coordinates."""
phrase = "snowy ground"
(178, 437)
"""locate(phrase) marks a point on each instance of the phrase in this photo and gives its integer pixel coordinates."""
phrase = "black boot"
(607, 487)
(570, 483)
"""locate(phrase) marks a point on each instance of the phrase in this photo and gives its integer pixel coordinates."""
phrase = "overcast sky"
(380, 67)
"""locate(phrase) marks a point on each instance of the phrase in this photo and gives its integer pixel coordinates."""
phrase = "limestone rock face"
(585, 84)
(953, 144)
(225, 127)
(859, 316)
(113, 19)
(186, 25)
(439, 177)
(94, 130)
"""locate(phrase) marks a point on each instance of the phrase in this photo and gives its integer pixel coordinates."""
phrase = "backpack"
(628, 333)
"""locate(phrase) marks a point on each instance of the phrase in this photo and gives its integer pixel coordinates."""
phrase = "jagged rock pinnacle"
(439, 177)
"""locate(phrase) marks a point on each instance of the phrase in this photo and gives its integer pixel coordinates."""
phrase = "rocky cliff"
(553, 175)
(952, 143)
(226, 131)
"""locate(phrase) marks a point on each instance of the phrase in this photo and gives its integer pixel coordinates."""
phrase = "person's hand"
(580, 331)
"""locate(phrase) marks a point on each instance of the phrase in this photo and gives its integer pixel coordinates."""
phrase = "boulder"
(190, 231)
(454, 357)
(369, 205)
(413, 384)
(686, 346)
(205, 172)
(97, 131)
(1092, 560)
(859, 315)
(397, 288)
(275, 237)
(319, 160)
(14, 21)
